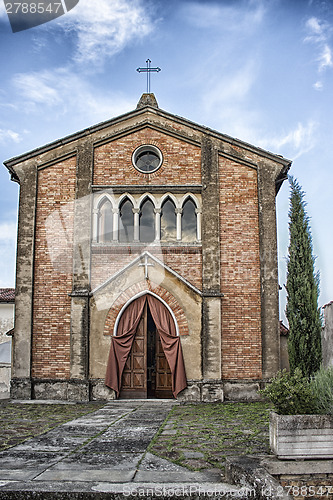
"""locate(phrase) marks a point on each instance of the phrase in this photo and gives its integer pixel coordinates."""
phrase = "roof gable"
(148, 114)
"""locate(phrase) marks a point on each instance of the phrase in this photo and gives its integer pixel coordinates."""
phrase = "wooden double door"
(146, 373)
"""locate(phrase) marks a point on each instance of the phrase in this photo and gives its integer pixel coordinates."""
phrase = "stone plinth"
(301, 436)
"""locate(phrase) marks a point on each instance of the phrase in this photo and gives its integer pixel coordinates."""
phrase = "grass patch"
(19, 422)
(215, 430)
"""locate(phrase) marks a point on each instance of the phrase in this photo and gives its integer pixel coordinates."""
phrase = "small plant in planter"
(302, 426)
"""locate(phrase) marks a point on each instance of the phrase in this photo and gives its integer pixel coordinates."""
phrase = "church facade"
(146, 263)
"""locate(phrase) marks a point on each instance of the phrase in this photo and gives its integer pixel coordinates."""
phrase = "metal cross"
(148, 70)
(146, 265)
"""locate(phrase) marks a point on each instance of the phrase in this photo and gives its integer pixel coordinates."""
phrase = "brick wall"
(240, 271)
(113, 161)
(53, 271)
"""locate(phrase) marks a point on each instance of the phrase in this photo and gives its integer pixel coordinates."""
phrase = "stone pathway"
(104, 452)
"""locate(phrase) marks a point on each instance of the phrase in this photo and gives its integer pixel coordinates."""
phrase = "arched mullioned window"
(148, 219)
(126, 219)
(105, 222)
(189, 221)
(147, 222)
(168, 221)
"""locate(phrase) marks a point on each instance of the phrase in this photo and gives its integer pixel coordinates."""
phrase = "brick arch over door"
(138, 288)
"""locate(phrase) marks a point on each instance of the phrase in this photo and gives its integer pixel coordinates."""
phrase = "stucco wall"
(6, 320)
(5, 370)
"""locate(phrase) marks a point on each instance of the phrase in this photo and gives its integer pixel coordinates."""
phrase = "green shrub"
(322, 386)
(291, 394)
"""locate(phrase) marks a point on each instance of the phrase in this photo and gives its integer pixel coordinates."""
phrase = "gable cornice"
(150, 112)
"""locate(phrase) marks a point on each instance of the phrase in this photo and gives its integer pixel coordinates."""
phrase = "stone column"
(115, 212)
(269, 269)
(157, 212)
(95, 224)
(136, 232)
(211, 275)
(179, 213)
(79, 371)
(199, 218)
(21, 373)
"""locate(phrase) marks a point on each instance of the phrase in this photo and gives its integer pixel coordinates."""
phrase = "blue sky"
(258, 70)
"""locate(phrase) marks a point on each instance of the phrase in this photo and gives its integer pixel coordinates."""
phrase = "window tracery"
(166, 218)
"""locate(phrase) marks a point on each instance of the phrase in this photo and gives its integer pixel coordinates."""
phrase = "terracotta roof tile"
(283, 329)
(7, 294)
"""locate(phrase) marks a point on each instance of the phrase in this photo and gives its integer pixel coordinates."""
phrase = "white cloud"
(316, 29)
(6, 135)
(226, 17)
(37, 88)
(325, 58)
(295, 142)
(319, 33)
(65, 91)
(103, 28)
(318, 85)
(8, 231)
(231, 87)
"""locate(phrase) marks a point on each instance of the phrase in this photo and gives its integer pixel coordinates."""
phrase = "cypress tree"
(304, 343)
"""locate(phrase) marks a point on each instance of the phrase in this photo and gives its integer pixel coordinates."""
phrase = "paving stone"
(116, 455)
(91, 461)
(81, 430)
(77, 474)
(13, 459)
(169, 432)
(192, 454)
(20, 474)
(53, 443)
(121, 446)
(118, 434)
(184, 476)
(153, 463)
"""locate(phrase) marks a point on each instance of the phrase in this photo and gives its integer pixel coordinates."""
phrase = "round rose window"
(147, 159)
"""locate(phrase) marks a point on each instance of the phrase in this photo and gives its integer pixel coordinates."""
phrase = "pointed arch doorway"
(146, 373)
(146, 359)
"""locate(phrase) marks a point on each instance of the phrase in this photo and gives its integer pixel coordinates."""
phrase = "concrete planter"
(301, 436)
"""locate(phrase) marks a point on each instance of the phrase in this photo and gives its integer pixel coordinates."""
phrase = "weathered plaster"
(267, 173)
(6, 320)
(81, 263)
(211, 275)
(24, 278)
